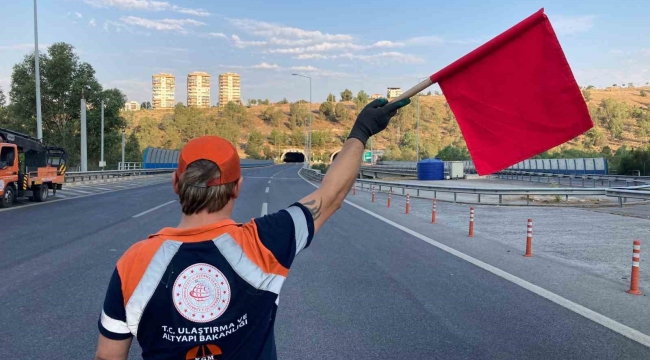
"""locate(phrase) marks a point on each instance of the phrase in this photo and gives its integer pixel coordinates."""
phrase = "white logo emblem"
(201, 293)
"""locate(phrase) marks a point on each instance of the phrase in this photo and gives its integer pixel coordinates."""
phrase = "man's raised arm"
(323, 202)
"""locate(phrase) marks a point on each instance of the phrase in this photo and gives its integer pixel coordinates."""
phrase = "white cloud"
(239, 43)
(265, 66)
(387, 44)
(195, 12)
(286, 42)
(392, 55)
(79, 15)
(304, 68)
(268, 30)
(322, 47)
(146, 5)
(565, 25)
(216, 35)
(425, 40)
(92, 22)
(161, 25)
(310, 56)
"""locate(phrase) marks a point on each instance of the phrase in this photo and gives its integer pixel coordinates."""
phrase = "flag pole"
(414, 90)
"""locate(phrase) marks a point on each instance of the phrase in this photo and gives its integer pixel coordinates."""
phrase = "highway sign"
(367, 156)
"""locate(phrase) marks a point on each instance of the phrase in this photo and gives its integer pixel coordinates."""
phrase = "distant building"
(375, 96)
(163, 87)
(394, 92)
(131, 106)
(198, 89)
(229, 88)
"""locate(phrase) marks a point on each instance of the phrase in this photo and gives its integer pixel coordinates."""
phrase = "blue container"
(431, 169)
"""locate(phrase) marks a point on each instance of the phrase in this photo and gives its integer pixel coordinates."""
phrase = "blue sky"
(341, 44)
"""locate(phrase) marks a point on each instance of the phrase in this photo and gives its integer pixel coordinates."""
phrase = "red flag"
(515, 96)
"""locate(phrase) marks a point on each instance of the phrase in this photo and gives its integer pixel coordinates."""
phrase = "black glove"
(374, 118)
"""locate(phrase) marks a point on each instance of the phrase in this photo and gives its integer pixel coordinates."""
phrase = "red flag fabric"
(515, 96)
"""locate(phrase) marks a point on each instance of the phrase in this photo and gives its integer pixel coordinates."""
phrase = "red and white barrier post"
(471, 222)
(389, 194)
(373, 193)
(433, 212)
(529, 239)
(408, 205)
(634, 280)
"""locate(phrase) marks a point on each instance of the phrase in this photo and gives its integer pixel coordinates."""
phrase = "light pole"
(310, 120)
(417, 139)
(123, 146)
(84, 140)
(37, 75)
(102, 164)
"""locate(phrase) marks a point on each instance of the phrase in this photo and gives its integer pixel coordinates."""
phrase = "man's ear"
(238, 187)
(175, 182)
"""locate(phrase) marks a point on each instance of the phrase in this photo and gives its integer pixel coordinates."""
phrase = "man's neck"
(204, 218)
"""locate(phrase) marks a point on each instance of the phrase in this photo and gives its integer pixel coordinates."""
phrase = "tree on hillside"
(252, 102)
(361, 99)
(327, 109)
(341, 112)
(586, 94)
(451, 153)
(283, 101)
(594, 138)
(298, 114)
(63, 76)
(132, 151)
(268, 153)
(234, 112)
(429, 93)
(589, 87)
(254, 145)
(643, 93)
(630, 85)
(297, 138)
(277, 138)
(3, 99)
(331, 98)
(273, 116)
(611, 114)
(436, 92)
(346, 95)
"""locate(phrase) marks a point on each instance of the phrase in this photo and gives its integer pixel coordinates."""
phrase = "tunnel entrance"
(293, 157)
(334, 155)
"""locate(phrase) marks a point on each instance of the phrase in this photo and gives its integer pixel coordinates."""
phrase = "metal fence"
(623, 194)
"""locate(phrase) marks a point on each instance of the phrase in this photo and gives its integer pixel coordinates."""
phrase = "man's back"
(208, 291)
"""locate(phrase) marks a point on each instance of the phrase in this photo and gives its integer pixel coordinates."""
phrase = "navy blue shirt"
(206, 293)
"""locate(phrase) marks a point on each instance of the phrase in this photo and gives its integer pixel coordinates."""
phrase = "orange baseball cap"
(213, 148)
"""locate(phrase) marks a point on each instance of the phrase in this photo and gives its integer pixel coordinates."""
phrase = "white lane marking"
(267, 190)
(268, 182)
(264, 208)
(601, 319)
(75, 191)
(69, 198)
(153, 209)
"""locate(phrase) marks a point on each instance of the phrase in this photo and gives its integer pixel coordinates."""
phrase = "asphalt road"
(363, 290)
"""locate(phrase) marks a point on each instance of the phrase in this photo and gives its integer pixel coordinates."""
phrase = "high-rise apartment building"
(198, 89)
(229, 88)
(163, 90)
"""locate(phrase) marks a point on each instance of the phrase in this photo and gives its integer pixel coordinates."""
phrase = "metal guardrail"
(526, 175)
(622, 194)
(72, 177)
(76, 176)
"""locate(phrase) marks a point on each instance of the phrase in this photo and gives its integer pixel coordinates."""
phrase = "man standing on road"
(209, 288)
